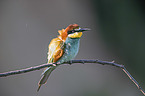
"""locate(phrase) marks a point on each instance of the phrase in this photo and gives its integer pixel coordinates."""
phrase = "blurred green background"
(117, 33)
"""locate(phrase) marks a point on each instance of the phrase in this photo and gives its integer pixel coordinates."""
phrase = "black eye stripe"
(78, 30)
(70, 32)
(73, 31)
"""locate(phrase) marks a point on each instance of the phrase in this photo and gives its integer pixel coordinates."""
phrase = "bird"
(62, 49)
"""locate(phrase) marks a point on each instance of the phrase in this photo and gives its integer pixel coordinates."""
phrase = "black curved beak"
(82, 29)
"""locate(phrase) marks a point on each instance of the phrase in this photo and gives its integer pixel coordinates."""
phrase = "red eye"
(70, 32)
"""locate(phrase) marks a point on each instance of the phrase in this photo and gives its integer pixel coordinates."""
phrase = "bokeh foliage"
(122, 24)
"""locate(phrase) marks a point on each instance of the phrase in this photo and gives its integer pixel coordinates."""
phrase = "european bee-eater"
(62, 49)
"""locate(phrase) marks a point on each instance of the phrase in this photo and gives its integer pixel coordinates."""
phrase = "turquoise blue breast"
(71, 49)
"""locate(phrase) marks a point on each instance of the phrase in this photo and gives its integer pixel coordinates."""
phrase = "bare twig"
(73, 62)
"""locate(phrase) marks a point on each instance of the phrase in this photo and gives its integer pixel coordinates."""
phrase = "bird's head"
(72, 31)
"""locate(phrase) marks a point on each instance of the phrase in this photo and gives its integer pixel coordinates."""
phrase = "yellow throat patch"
(75, 35)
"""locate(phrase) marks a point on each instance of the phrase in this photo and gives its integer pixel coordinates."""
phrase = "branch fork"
(74, 62)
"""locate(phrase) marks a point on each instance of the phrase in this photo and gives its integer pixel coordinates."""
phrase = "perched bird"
(62, 49)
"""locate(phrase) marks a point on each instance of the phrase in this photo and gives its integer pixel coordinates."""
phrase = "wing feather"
(56, 50)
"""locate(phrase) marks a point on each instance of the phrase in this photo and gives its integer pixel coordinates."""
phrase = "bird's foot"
(70, 62)
(82, 61)
(54, 64)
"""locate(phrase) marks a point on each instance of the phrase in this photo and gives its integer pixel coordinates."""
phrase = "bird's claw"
(83, 62)
(70, 62)
(113, 61)
(54, 64)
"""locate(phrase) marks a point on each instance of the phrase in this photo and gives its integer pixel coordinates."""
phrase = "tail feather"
(38, 87)
(45, 76)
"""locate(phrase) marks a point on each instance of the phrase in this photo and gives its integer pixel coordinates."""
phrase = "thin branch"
(73, 62)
